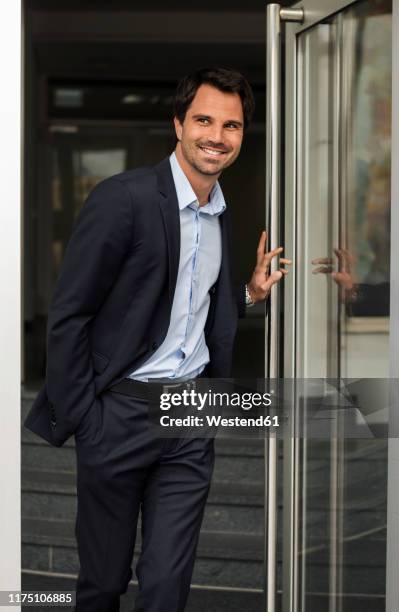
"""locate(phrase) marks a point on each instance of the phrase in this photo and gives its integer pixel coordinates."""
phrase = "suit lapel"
(170, 212)
(225, 263)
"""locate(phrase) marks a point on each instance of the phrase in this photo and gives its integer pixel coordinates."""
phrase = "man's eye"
(203, 120)
(231, 125)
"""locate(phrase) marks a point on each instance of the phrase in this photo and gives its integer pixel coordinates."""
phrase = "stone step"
(358, 576)
(56, 508)
(211, 599)
(222, 559)
(200, 598)
(228, 467)
(365, 480)
(227, 492)
(247, 493)
(230, 493)
(219, 545)
(217, 517)
(364, 548)
(214, 571)
(230, 507)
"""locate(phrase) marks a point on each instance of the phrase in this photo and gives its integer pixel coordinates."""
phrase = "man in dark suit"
(145, 294)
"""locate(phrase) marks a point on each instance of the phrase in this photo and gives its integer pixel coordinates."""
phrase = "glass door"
(335, 223)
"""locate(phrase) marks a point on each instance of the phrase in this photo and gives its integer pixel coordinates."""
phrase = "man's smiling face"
(212, 131)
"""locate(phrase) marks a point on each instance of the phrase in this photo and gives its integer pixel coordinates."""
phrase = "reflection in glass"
(342, 319)
(366, 191)
(316, 314)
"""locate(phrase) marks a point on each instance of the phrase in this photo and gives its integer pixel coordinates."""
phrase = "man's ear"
(178, 128)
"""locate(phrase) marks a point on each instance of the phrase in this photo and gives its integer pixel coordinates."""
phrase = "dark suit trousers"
(123, 467)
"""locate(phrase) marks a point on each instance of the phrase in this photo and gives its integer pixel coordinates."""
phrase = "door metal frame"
(392, 583)
(313, 14)
(274, 16)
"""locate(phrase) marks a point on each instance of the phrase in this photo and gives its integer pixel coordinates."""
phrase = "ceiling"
(144, 62)
(141, 41)
(155, 5)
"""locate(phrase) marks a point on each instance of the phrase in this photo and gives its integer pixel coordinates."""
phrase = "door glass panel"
(316, 312)
(366, 190)
(342, 318)
(364, 293)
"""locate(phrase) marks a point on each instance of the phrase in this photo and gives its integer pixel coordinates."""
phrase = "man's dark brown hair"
(224, 79)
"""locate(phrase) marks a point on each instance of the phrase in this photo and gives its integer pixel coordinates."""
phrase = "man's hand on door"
(261, 282)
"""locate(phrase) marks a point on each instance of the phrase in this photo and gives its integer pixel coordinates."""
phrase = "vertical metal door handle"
(274, 16)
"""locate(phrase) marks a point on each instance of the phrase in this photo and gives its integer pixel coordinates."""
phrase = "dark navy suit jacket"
(112, 301)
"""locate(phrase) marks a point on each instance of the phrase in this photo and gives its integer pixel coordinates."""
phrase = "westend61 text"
(219, 421)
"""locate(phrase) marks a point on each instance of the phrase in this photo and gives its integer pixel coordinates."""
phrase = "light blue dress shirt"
(184, 353)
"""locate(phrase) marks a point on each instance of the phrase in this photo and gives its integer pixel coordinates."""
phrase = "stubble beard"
(190, 155)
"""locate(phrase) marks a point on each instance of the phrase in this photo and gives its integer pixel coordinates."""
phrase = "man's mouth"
(211, 151)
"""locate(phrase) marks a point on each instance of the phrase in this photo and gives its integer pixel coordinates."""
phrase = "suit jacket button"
(212, 289)
(154, 346)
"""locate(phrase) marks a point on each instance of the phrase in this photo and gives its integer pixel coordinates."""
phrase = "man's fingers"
(275, 277)
(267, 257)
(339, 277)
(322, 260)
(323, 270)
(345, 257)
(263, 259)
(261, 247)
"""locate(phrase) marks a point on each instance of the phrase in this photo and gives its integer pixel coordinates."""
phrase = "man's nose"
(216, 134)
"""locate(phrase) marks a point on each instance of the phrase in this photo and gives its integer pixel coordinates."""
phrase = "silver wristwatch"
(248, 299)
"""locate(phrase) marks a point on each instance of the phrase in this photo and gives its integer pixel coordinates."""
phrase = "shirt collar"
(185, 193)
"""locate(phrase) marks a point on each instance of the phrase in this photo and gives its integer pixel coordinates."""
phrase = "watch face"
(248, 301)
